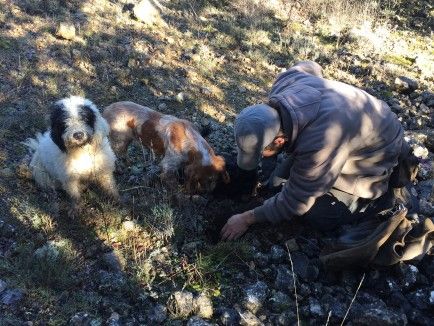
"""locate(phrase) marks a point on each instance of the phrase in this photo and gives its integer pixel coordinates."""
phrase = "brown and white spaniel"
(175, 140)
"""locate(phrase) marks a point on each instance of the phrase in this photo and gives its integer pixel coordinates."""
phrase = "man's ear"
(280, 140)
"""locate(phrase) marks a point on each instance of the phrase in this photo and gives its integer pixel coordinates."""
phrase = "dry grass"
(223, 56)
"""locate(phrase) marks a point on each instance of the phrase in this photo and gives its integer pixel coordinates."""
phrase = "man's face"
(275, 147)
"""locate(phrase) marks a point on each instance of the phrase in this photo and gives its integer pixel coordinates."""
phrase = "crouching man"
(341, 144)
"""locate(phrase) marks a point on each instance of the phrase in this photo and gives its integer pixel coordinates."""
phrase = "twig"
(328, 318)
(295, 286)
(352, 300)
(134, 188)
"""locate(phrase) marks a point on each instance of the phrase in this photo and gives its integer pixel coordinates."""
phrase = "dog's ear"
(219, 164)
(58, 118)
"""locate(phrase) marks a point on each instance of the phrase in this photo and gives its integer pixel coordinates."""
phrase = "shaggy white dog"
(75, 150)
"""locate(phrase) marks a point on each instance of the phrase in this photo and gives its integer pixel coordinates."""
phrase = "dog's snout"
(79, 135)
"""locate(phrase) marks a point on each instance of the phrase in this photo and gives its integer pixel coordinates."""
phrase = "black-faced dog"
(75, 150)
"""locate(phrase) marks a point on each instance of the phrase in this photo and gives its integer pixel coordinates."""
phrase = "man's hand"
(237, 225)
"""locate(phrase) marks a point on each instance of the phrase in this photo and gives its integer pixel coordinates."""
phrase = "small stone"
(301, 263)
(242, 89)
(315, 308)
(80, 319)
(284, 281)
(249, 319)
(114, 319)
(420, 151)
(11, 296)
(228, 316)
(6, 173)
(66, 31)
(278, 254)
(205, 91)
(157, 314)
(129, 225)
(407, 274)
(180, 97)
(405, 85)
(280, 302)
(145, 12)
(180, 304)
(255, 296)
(261, 259)
(197, 321)
(162, 107)
(204, 307)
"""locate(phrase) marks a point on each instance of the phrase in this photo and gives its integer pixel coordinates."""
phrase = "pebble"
(66, 31)
(249, 319)
(278, 254)
(180, 97)
(315, 308)
(228, 316)
(145, 12)
(255, 296)
(129, 225)
(180, 304)
(261, 259)
(80, 319)
(284, 280)
(204, 307)
(113, 320)
(405, 85)
(420, 151)
(280, 301)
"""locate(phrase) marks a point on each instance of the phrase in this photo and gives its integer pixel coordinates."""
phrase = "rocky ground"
(155, 258)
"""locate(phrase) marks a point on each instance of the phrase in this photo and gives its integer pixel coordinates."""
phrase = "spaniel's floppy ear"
(220, 166)
(58, 117)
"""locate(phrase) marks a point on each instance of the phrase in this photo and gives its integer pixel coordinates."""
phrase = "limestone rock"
(66, 31)
(146, 12)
